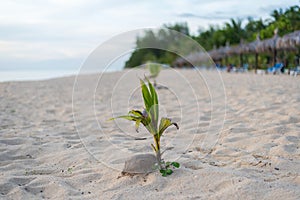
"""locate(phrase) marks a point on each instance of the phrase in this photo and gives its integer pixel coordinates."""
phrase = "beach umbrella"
(215, 54)
(179, 62)
(193, 57)
(269, 46)
(196, 57)
(252, 48)
(234, 50)
(289, 41)
(249, 47)
(220, 53)
(237, 50)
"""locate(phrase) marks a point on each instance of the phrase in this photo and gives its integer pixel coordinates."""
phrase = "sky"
(60, 34)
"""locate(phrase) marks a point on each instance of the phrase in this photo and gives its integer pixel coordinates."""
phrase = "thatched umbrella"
(233, 50)
(179, 62)
(241, 51)
(220, 53)
(200, 57)
(215, 54)
(289, 41)
(194, 58)
(251, 48)
(237, 50)
(269, 45)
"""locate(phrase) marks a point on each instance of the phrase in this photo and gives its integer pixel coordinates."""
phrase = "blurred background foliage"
(232, 32)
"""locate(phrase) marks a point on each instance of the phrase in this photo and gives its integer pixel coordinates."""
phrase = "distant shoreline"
(36, 75)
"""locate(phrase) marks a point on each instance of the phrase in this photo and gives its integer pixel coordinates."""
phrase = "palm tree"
(234, 31)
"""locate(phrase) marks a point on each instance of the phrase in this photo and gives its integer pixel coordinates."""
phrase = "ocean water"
(45, 72)
(55, 69)
(26, 75)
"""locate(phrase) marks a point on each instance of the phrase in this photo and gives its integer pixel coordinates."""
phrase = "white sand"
(241, 144)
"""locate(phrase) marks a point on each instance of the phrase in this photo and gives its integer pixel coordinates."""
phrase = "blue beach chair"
(275, 69)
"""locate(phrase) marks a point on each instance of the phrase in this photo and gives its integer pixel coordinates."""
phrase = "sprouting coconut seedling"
(149, 117)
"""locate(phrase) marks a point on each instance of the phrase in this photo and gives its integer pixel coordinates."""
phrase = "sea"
(29, 75)
(40, 74)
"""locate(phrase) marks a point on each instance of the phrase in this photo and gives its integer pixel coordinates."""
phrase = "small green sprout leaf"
(154, 69)
(148, 101)
(175, 164)
(169, 171)
(128, 117)
(154, 106)
(163, 172)
(168, 164)
(136, 113)
(166, 172)
(137, 125)
(164, 124)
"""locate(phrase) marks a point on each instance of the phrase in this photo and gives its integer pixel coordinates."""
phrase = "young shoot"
(149, 118)
(154, 69)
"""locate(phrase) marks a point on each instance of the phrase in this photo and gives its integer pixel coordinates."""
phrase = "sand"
(239, 137)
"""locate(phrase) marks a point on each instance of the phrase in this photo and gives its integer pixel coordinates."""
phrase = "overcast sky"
(62, 33)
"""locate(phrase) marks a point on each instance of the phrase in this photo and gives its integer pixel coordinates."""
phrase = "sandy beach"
(239, 137)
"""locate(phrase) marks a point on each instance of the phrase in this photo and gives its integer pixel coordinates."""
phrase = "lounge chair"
(295, 71)
(275, 69)
(245, 67)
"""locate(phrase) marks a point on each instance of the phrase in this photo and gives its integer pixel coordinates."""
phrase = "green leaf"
(164, 124)
(137, 125)
(166, 172)
(128, 117)
(169, 171)
(146, 96)
(154, 108)
(154, 69)
(175, 164)
(151, 104)
(153, 93)
(136, 113)
(168, 164)
(153, 147)
(163, 172)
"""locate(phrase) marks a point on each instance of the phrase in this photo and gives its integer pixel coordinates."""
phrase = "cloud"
(207, 17)
(41, 31)
(268, 9)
